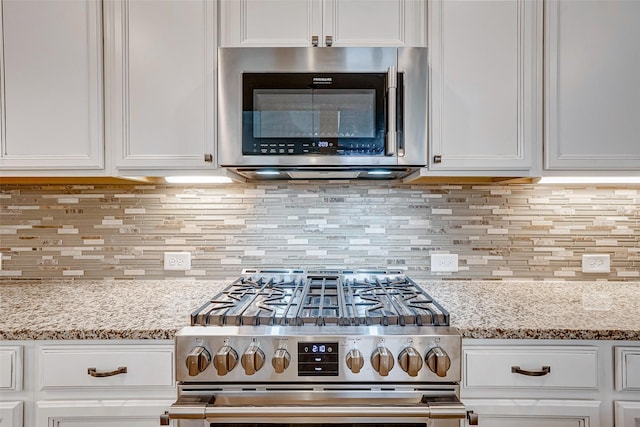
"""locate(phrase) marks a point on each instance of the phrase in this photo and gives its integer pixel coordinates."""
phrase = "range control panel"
(318, 359)
(359, 353)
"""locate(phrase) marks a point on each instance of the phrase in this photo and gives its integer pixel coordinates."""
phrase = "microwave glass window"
(314, 113)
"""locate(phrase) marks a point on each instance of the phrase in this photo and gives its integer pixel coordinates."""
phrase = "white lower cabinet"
(627, 414)
(535, 413)
(535, 383)
(12, 393)
(627, 379)
(11, 414)
(101, 413)
(103, 383)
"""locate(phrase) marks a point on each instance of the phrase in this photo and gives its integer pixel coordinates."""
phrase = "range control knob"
(198, 360)
(382, 361)
(438, 361)
(252, 359)
(280, 360)
(410, 361)
(225, 360)
(355, 361)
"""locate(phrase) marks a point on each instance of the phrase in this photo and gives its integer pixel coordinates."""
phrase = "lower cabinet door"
(627, 414)
(11, 414)
(100, 413)
(535, 413)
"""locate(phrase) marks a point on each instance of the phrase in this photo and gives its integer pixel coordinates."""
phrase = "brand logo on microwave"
(323, 80)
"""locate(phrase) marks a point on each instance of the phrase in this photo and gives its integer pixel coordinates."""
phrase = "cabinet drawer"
(113, 366)
(507, 366)
(628, 368)
(11, 368)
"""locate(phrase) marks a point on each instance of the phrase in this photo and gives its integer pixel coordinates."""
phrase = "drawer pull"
(94, 373)
(541, 373)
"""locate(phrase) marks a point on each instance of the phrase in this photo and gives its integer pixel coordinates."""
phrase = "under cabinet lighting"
(589, 180)
(379, 172)
(267, 172)
(196, 179)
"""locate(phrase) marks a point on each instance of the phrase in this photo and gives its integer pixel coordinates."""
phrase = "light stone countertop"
(40, 310)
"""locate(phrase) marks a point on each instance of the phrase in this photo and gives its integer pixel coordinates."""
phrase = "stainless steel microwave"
(322, 112)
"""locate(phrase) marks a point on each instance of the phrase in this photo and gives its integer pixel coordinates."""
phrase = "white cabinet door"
(270, 22)
(51, 87)
(11, 414)
(100, 413)
(627, 414)
(160, 70)
(325, 22)
(486, 84)
(592, 90)
(535, 413)
(374, 22)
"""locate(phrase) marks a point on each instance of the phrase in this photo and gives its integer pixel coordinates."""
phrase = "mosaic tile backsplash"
(499, 232)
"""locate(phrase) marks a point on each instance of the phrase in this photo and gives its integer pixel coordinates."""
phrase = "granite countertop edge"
(156, 310)
(472, 333)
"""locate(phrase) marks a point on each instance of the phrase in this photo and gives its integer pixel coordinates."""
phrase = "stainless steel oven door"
(313, 407)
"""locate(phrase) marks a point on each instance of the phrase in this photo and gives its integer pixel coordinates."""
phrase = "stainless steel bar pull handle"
(541, 373)
(94, 372)
(392, 87)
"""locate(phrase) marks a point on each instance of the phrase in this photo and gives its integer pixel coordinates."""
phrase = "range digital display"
(318, 359)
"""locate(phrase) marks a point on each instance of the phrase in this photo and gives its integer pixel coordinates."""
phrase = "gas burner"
(346, 298)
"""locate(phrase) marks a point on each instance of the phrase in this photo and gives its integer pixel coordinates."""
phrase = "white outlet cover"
(596, 263)
(444, 263)
(177, 260)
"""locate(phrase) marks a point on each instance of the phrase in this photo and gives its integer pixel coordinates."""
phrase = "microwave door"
(324, 119)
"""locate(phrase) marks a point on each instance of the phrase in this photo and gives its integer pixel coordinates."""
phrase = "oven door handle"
(424, 411)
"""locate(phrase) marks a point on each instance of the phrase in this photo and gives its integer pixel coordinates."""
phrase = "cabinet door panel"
(535, 413)
(507, 421)
(627, 414)
(385, 23)
(163, 85)
(593, 85)
(270, 22)
(100, 413)
(51, 85)
(485, 84)
(11, 414)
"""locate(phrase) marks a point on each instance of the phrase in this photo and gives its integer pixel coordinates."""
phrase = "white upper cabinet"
(592, 85)
(306, 23)
(160, 85)
(51, 87)
(485, 86)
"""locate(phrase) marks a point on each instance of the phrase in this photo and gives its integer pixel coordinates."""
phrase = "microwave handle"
(392, 134)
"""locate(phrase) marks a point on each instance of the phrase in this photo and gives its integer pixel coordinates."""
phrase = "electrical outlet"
(444, 262)
(177, 260)
(596, 263)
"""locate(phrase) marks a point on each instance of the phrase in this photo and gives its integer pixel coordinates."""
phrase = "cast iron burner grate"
(343, 299)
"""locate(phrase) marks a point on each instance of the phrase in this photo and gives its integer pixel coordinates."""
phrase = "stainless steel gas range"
(296, 348)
